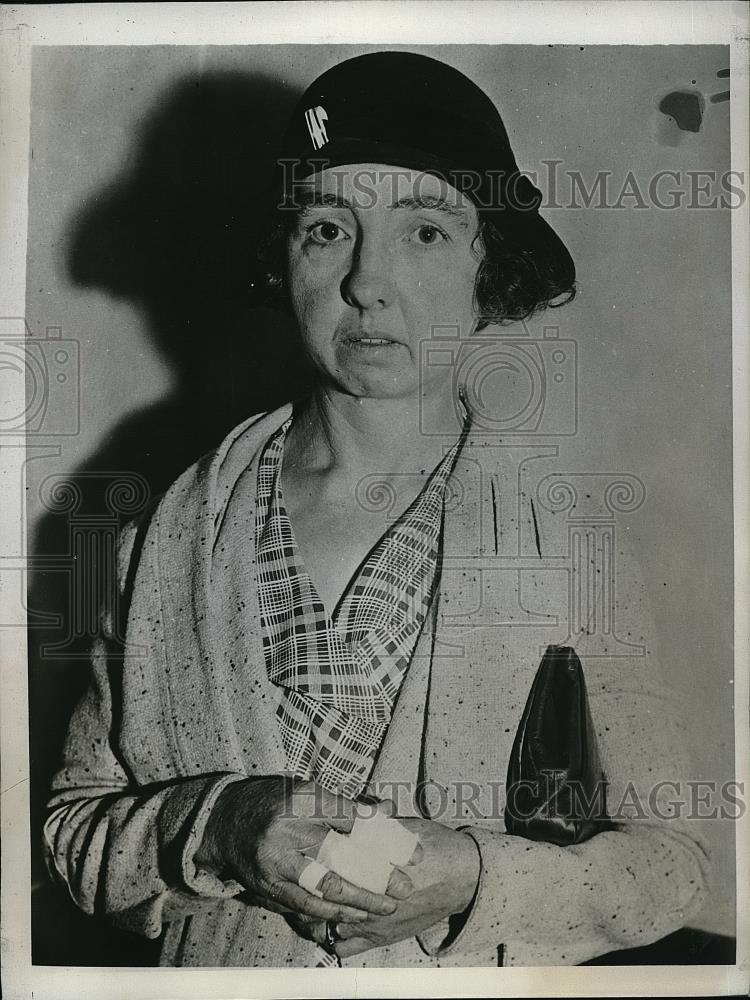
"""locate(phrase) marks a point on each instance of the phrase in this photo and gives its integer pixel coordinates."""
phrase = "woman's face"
(380, 261)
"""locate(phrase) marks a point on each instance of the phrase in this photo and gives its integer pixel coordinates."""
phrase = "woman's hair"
(517, 277)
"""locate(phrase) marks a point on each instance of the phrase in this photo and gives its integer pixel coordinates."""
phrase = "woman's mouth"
(371, 340)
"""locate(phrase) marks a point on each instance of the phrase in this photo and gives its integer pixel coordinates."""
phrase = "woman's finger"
(400, 886)
(302, 902)
(336, 889)
(352, 946)
(258, 899)
(308, 927)
(346, 931)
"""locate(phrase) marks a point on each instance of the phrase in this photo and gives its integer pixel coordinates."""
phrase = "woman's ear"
(273, 281)
(271, 254)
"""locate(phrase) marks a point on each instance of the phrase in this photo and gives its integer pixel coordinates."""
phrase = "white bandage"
(310, 877)
(367, 856)
(346, 858)
(385, 837)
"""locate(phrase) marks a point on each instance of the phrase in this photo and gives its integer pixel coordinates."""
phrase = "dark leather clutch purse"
(556, 789)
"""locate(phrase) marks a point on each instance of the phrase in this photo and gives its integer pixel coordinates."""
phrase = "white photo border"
(316, 22)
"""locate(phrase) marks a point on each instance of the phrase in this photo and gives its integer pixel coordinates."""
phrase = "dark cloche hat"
(412, 111)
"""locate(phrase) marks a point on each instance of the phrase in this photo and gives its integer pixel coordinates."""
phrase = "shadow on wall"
(176, 236)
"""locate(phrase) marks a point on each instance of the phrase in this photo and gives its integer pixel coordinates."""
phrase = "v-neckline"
(333, 618)
(277, 493)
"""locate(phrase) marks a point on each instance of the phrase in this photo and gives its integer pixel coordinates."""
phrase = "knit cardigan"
(186, 710)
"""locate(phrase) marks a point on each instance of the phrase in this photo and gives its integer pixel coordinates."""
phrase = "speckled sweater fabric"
(161, 732)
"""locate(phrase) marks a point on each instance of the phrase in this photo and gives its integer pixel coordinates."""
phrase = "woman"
(279, 626)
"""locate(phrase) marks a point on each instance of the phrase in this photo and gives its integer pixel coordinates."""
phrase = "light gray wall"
(652, 318)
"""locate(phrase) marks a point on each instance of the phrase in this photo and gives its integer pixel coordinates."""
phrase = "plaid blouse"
(336, 679)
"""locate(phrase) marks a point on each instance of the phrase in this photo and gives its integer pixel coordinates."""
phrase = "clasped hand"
(263, 831)
(443, 876)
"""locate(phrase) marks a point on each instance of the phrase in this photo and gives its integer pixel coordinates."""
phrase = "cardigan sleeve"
(122, 850)
(629, 886)
(621, 889)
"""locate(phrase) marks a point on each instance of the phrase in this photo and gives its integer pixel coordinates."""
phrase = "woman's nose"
(369, 283)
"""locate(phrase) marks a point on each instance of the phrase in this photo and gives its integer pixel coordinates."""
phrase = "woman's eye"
(327, 232)
(426, 235)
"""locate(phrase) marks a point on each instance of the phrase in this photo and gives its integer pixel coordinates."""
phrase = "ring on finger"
(332, 934)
